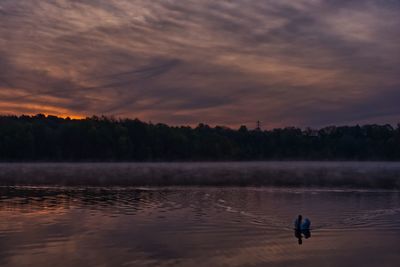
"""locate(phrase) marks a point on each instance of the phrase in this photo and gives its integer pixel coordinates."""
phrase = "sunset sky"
(228, 62)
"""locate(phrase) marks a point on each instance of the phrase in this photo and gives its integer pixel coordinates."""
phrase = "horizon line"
(195, 125)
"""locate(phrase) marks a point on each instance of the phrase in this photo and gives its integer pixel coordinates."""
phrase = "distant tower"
(258, 128)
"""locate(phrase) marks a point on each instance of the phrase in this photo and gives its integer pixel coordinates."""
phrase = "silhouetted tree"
(49, 138)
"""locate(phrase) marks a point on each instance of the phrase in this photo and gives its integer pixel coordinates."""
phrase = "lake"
(197, 226)
(371, 175)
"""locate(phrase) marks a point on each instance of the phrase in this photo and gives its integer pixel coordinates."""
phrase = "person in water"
(301, 225)
(302, 228)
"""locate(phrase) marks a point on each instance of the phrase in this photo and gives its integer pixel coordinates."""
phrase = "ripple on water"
(193, 226)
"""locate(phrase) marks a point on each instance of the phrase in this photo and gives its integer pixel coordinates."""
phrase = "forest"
(51, 138)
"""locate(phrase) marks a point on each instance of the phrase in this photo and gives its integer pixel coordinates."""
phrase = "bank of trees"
(49, 138)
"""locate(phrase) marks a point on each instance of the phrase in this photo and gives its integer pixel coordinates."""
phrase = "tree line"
(50, 138)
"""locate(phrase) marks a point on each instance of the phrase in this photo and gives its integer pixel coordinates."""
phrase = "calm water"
(196, 227)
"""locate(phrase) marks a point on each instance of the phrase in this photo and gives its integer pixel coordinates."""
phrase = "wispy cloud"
(308, 62)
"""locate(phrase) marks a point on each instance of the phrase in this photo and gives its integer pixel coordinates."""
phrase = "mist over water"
(372, 175)
(199, 214)
(87, 226)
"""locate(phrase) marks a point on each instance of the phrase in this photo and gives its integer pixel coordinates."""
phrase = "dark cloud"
(304, 62)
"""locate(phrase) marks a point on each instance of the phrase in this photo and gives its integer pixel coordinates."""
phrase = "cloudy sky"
(227, 62)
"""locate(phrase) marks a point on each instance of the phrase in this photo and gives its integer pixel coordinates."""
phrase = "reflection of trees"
(42, 200)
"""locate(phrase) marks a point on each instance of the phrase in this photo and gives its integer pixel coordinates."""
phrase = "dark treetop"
(49, 138)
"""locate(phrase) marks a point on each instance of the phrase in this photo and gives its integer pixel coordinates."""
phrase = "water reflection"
(193, 227)
(300, 233)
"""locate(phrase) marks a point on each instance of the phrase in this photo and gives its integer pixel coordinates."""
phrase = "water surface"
(78, 226)
(367, 175)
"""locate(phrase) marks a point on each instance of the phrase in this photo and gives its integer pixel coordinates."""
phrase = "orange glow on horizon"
(73, 117)
(63, 116)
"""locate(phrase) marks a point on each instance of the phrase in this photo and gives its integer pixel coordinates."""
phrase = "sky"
(222, 62)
